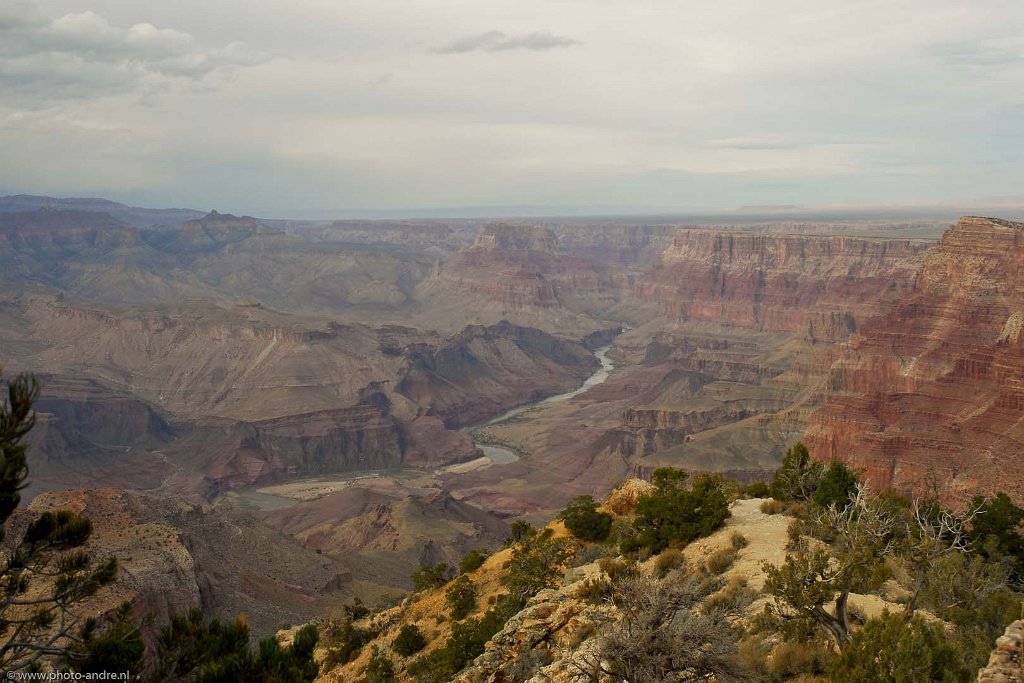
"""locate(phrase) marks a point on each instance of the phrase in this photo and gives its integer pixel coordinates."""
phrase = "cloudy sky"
(262, 106)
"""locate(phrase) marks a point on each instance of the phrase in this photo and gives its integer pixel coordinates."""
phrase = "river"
(504, 456)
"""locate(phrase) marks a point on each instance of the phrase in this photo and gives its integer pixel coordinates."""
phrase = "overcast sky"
(266, 107)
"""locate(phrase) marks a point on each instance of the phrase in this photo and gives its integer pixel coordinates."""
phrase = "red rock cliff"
(930, 393)
(778, 282)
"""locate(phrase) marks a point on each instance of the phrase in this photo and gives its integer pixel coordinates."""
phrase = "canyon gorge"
(331, 387)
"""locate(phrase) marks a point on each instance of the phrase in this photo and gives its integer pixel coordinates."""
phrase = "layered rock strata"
(930, 393)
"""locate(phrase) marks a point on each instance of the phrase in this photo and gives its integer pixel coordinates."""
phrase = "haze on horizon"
(271, 108)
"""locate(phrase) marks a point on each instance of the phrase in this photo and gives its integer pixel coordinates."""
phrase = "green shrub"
(409, 641)
(472, 561)
(674, 513)
(378, 670)
(888, 650)
(519, 532)
(461, 598)
(466, 642)
(837, 486)
(758, 489)
(798, 476)
(584, 521)
(344, 641)
(536, 564)
(430, 576)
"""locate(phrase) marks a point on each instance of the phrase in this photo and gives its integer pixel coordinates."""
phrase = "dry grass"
(772, 507)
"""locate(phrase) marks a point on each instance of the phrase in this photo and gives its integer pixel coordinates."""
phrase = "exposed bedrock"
(930, 392)
(810, 284)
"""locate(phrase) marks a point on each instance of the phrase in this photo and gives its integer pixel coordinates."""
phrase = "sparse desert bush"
(461, 598)
(772, 506)
(615, 568)
(584, 521)
(379, 670)
(758, 489)
(738, 540)
(588, 554)
(734, 598)
(595, 591)
(519, 532)
(430, 576)
(472, 561)
(792, 658)
(661, 635)
(720, 560)
(537, 563)
(409, 641)
(669, 559)
(344, 640)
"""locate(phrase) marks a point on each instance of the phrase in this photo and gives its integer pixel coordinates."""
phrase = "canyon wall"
(929, 394)
(818, 286)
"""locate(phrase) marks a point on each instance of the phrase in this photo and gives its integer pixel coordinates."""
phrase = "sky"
(269, 107)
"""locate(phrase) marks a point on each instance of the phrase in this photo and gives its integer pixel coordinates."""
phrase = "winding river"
(503, 456)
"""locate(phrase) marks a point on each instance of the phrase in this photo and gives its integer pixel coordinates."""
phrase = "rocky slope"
(200, 399)
(174, 555)
(521, 274)
(929, 393)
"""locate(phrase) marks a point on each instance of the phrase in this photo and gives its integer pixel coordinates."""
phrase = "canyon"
(332, 386)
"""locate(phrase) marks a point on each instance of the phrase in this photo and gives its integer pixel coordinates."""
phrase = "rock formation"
(1006, 665)
(815, 285)
(930, 392)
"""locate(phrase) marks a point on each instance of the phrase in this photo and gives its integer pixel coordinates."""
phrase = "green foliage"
(797, 478)
(519, 532)
(759, 489)
(379, 670)
(461, 598)
(113, 644)
(584, 521)
(837, 486)
(996, 532)
(674, 513)
(430, 576)
(345, 640)
(851, 558)
(43, 572)
(409, 641)
(537, 563)
(887, 650)
(16, 420)
(466, 642)
(219, 652)
(472, 561)
(972, 593)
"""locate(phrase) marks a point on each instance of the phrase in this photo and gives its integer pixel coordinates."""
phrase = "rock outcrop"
(174, 555)
(1006, 665)
(930, 392)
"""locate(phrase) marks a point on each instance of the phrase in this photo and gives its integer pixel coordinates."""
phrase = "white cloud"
(497, 41)
(81, 55)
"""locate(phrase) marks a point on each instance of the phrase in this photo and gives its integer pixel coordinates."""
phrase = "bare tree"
(850, 558)
(661, 636)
